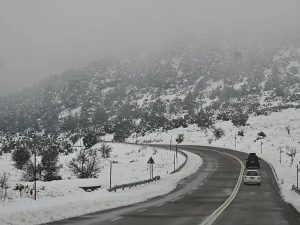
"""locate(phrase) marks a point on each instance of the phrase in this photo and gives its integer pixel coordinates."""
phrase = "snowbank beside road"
(27, 211)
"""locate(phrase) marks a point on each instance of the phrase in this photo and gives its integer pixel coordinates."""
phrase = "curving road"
(201, 194)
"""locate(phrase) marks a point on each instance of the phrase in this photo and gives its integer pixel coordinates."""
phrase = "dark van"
(252, 161)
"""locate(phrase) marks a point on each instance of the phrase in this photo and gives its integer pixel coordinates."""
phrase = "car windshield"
(252, 173)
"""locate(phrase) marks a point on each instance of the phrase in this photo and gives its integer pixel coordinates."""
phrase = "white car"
(252, 177)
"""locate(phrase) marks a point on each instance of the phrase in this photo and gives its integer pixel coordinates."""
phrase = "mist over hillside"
(183, 83)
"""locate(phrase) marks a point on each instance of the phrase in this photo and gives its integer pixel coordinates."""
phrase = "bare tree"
(291, 152)
(86, 164)
(105, 150)
(4, 186)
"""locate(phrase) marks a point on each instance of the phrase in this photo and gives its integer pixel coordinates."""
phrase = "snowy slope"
(62, 199)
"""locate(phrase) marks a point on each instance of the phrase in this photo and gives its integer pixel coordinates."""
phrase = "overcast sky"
(39, 38)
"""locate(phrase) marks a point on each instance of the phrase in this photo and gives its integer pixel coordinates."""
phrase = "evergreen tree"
(49, 163)
(204, 119)
(89, 140)
(20, 156)
(189, 103)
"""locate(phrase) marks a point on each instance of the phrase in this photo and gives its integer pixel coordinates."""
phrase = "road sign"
(150, 161)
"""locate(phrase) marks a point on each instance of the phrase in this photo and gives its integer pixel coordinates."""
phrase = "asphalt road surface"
(199, 195)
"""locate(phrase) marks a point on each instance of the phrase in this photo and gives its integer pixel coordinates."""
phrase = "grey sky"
(39, 38)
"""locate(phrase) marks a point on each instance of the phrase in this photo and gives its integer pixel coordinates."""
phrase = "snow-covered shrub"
(180, 138)
(32, 172)
(67, 149)
(105, 150)
(86, 164)
(241, 133)
(218, 132)
(21, 156)
(239, 119)
(8, 147)
(223, 116)
(291, 152)
(288, 129)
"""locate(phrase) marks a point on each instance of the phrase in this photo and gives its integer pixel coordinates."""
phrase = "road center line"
(212, 218)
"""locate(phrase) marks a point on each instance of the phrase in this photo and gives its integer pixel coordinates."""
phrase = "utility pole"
(174, 163)
(110, 173)
(171, 143)
(35, 174)
(261, 144)
(234, 141)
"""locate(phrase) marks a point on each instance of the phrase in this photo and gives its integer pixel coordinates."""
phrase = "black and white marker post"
(234, 141)
(280, 152)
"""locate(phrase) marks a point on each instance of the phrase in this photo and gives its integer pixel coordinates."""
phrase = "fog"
(42, 38)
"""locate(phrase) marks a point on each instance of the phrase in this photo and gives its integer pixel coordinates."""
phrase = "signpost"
(150, 163)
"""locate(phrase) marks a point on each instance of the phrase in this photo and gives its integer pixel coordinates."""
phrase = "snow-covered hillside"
(63, 198)
(282, 130)
(166, 89)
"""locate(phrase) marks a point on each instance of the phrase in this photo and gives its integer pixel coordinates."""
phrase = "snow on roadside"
(74, 202)
(275, 126)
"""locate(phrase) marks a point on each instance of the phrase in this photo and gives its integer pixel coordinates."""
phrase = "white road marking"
(142, 210)
(116, 218)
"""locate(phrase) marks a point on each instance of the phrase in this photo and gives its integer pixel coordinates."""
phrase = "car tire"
(258, 184)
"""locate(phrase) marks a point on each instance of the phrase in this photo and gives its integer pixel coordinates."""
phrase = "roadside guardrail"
(133, 184)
